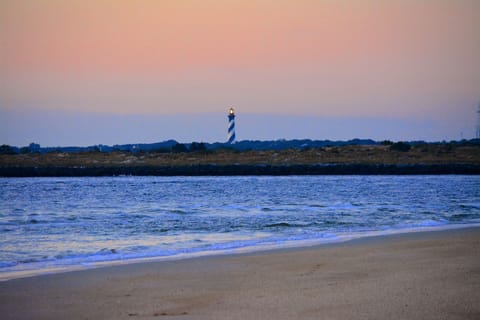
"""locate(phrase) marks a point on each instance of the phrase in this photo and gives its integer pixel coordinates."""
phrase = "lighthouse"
(231, 126)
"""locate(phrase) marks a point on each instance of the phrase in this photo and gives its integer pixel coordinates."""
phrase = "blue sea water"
(48, 223)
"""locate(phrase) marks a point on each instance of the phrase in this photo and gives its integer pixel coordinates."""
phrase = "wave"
(289, 225)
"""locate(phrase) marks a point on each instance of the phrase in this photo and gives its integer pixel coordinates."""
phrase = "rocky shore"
(234, 170)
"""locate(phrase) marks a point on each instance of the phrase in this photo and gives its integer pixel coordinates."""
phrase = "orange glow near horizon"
(304, 56)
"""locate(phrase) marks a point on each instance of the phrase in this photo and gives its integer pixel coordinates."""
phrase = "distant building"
(231, 126)
(34, 147)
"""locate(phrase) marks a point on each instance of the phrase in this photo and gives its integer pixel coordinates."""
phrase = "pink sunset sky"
(409, 61)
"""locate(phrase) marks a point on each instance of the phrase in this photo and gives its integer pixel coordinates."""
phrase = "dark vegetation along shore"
(364, 157)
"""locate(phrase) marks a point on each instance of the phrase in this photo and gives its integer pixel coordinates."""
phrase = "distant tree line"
(32, 148)
(397, 146)
(172, 146)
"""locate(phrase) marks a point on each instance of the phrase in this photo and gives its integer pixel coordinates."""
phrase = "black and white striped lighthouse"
(231, 126)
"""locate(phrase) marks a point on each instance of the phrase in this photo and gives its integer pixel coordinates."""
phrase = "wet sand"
(427, 275)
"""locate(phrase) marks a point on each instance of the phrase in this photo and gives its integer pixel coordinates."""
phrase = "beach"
(422, 275)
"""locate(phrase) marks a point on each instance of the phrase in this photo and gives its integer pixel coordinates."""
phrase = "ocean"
(51, 224)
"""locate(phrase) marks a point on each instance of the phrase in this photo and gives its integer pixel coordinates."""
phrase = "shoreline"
(264, 248)
(240, 170)
(427, 275)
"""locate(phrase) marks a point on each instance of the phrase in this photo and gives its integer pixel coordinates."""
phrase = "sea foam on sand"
(424, 275)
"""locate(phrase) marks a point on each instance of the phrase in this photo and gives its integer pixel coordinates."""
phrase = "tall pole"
(478, 122)
(231, 126)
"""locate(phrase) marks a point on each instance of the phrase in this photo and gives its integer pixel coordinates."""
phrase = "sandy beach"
(427, 275)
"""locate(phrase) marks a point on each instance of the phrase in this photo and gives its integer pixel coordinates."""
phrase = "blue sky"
(62, 128)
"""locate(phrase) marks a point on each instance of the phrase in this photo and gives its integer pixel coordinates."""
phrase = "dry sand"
(428, 275)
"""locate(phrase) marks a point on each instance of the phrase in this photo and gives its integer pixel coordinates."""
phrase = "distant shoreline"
(396, 159)
(242, 170)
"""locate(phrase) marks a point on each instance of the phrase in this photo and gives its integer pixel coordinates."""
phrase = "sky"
(84, 72)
